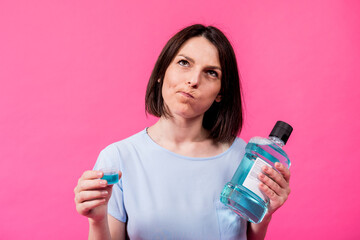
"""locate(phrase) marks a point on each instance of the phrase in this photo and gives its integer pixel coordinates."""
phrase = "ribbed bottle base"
(243, 202)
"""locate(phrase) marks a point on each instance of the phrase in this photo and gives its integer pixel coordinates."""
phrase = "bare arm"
(117, 228)
(99, 230)
(110, 228)
(276, 186)
(258, 231)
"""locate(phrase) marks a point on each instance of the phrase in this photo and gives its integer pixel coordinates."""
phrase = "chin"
(187, 114)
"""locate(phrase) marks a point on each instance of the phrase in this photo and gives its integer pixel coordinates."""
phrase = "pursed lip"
(186, 94)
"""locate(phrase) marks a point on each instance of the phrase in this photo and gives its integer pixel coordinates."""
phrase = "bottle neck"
(277, 141)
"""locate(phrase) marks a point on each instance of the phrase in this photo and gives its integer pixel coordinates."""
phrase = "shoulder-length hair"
(223, 119)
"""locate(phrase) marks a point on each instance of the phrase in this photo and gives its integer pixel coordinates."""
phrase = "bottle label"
(252, 181)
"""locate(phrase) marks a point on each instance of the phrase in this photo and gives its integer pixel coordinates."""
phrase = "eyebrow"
(192, 60)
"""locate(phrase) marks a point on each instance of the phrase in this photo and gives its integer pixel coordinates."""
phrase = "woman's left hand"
(275, 185)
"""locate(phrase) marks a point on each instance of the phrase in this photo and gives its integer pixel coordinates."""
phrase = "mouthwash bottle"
(242, 193)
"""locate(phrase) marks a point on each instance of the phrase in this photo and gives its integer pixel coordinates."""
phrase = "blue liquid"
(111, 178)
(239, 198)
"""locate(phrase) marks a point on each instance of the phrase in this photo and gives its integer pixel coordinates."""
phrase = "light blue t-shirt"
(163, 195)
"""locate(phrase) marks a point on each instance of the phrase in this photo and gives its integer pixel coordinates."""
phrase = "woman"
(173, 172)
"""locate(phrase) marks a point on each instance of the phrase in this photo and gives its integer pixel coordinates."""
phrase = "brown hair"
(223, 119)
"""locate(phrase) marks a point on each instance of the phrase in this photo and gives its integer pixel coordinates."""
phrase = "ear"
(159, 80)
(218, 98)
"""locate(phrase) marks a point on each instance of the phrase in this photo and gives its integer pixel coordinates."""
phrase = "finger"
(92, 174)
(275, 176)
(85, 207)
(268, 192)
(91, 185)
(275, 200)
(85, 176)
(271, 184)
(283, 170)
(90, 195)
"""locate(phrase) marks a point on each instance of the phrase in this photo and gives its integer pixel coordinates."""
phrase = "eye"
(213, 73)
(183, 63)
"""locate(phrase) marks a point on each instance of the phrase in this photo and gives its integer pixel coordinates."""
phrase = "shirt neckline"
(151, 141)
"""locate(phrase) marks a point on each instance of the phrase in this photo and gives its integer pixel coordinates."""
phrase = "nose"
(194, 79)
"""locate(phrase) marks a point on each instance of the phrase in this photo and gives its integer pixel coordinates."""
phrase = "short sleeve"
(110, 158)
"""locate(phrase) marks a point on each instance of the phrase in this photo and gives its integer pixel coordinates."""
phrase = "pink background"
(73, 77)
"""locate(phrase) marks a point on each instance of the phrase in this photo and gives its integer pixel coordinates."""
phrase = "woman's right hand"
(92, 195)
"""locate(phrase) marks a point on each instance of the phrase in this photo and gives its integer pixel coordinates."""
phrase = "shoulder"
(237, 148)
(238, 144)
(136, 139)
(116, 153)
(239, 141)
(122, 149)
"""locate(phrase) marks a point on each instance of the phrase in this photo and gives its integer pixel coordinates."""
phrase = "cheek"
(171, 78)
(167, 90)
(169, 84)
(214, 91)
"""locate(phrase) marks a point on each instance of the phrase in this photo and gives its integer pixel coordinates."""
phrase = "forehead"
(200, 49)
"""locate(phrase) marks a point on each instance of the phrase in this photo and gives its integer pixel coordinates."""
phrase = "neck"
(178, 130)
(186, 137)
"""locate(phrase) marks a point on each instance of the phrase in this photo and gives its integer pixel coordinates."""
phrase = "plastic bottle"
(242, 193)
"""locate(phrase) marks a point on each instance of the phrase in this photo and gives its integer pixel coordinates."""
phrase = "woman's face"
(192, 81)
